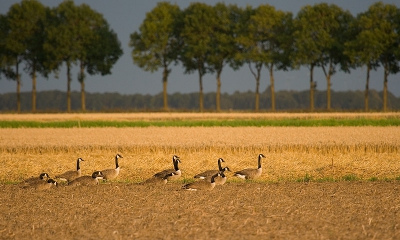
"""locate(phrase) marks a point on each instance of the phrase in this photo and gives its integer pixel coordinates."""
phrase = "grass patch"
(204, 123)
(350, 177)
(373, 179)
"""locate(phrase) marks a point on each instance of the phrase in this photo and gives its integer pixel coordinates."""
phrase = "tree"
(362, 49)
(102, 53)
(251, 49)
(67, 38)
(196, 35)
(100, 46)
(222, 41)
(270, 32)
(9, 58)
(384, 24)
(320, 34)
(157, 44)
(25, 39)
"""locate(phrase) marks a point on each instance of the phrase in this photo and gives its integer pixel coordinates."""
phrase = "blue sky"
(125, 17)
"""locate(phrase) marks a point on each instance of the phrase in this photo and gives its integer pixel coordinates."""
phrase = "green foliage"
(208, 123)
(350, 177)
(156, 45)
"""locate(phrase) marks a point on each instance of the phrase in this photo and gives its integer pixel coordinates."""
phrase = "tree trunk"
(328, 92)
(82, 81)
(165, 81)
(18, 89)
(201, 91)
(257, 76)
(328, 75)
(312, 87)
(385, 83)
(272, 86)
(366, 104)
(218, 95)
(68, 87)
(34, 89)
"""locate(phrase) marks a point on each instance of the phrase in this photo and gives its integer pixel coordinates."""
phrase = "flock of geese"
(205, 180)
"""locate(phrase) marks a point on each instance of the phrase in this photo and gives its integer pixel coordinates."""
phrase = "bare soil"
(248, 210)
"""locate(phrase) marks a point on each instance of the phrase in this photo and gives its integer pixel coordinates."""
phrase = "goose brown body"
(87, 180)
(43, 177)
(177, 172)
(221, 180)
(251, 173)
(210, 173)
(42, 185)
(157, 180)
(71, 175)
(202, 185)
(110, 174)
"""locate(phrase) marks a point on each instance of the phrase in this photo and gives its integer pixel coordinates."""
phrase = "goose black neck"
(219, 165)
(213, 178)
(116, 162)
(259, 161)
(77, 165)
(176, 165)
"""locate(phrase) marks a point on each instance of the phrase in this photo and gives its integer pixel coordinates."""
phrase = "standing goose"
(157, 180)
(210, 173)
(42, 185)
(251, 173)
(177, 172)
(87, 180)
(110, 174)
(43, 177)
(202, 185)
(71, 175)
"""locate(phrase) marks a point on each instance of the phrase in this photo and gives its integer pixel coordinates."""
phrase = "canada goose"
(157, 180)
(88, 180)
(42, 185)
(42, 178)
(177, 172)
(202, 185)
(109, 174)
(71, 175)
(251, 173)
(210, 173)
(221, 180)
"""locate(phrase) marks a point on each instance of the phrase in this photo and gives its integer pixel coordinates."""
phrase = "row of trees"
(43, 39)
(53, 101)
(205, 39)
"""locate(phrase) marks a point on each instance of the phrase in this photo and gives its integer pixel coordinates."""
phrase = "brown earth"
(287, 210)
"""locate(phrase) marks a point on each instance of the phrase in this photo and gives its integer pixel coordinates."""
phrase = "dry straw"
(292, 153)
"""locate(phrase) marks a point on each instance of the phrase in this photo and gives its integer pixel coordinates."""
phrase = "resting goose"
(43, 177)
(71, 175)
(251, 173)
(42, 185)
(110, 174)
(177, 172)
(210, 173)
(157, 180)
(87, 180)
(202, 185)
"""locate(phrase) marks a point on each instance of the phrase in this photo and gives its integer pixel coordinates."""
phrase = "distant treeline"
(54, 101)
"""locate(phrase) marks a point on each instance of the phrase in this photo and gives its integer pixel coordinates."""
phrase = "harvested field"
(317, 182)
(341, 210)
(292, 153)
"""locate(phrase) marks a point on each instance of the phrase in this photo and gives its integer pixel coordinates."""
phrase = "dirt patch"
(337, 210)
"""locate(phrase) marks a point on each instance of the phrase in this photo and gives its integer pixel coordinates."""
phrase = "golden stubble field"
(292, 153)
(296, 198)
